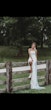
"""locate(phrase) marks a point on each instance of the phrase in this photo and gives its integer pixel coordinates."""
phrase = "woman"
(33, 66)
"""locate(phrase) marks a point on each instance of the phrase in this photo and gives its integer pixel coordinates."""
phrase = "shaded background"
(17, 34)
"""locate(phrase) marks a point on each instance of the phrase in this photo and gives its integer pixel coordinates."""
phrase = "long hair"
(35, 44)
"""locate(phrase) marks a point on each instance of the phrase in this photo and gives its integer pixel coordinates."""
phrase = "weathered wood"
(26, 68)
(9, 76)
(18, 67)
(3, 71)
(19, 64)
(41, 62)
(21, 87)
(21, 72)
(41, 77)
(20, 80)
(25, 79)
(47, 69)
(41, 83)
(48, 73)
(27, 86)
(22, 69)
(2, 65)
(3, 90)
(41, 66)
(40, 70)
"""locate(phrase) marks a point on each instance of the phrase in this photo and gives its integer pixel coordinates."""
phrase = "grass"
(44, 54)
(16, 76)
(42, 73)
(46, 90)
(9, 54)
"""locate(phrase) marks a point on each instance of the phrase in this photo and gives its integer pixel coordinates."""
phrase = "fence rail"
(10, 68)
(23, 68)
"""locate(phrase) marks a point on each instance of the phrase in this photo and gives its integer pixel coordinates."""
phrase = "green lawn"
(9, 54)
(28, 82)
(18, 76)
(46, 90)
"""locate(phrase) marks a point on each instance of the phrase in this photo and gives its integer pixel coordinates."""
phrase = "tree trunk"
(42, 39)
(42, 43)
(20, 52)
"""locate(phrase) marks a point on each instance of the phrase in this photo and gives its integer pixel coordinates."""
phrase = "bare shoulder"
(29, 49)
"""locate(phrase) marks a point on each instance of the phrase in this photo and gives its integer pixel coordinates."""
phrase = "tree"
(6, 27)
(21, 31)
(44, 29)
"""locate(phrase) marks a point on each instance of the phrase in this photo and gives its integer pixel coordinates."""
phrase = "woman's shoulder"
(29, 49)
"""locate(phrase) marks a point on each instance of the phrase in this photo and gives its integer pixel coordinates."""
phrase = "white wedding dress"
(34, 80)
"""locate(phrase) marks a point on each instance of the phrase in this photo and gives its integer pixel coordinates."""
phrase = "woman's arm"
(36, 53)
(29, 53)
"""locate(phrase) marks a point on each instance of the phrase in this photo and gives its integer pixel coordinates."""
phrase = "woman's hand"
(32, 60)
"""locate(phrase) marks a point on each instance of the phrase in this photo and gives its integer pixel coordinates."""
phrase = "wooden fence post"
(46, 76)
(9, 77)
(48, 73)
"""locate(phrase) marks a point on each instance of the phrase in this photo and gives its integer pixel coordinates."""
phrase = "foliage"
(21, 31)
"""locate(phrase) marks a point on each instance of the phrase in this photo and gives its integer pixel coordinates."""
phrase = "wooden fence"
(10, 68)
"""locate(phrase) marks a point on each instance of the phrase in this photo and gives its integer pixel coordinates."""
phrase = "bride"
(33, 66)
